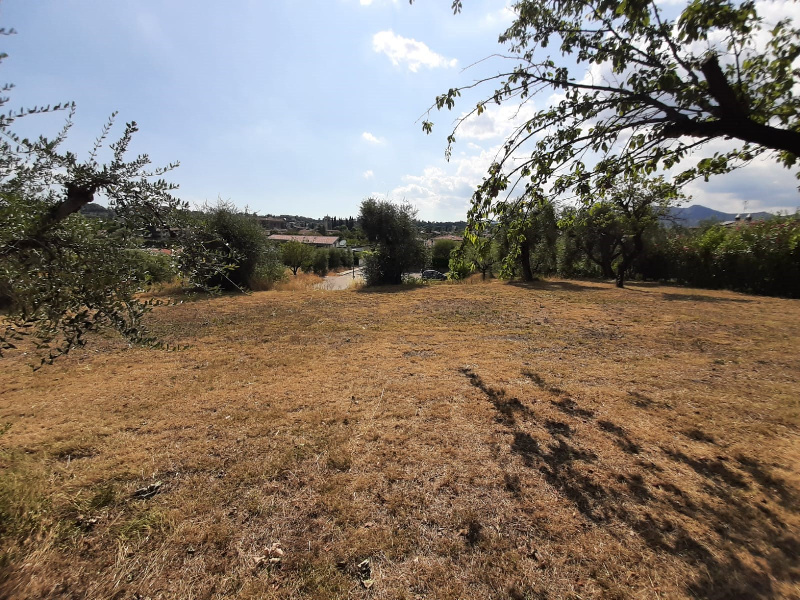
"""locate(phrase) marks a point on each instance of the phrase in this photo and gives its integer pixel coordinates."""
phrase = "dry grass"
(300, 282)
(560, 440)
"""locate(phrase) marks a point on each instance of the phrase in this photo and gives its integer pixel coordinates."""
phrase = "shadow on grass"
(642, 284)
(390, 289)
(506, 407)
(701, 298)
(717, 515)
(558, 286)
(183, 294)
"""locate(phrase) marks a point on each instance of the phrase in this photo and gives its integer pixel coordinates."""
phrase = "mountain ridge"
(692, 216)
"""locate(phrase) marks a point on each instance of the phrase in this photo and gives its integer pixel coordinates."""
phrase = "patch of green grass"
(103, 497)
(322, 581)
(150, 520)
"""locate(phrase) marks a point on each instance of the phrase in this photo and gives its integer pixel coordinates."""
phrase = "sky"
(289, 106)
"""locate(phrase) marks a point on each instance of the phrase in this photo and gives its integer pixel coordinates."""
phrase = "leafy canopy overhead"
(636, 93)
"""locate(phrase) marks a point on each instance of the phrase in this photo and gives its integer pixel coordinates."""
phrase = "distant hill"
(96, 210)
(691, 216)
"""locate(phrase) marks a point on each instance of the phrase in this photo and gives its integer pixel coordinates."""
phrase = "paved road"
(342, 281)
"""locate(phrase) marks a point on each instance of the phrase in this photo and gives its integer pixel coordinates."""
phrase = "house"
(272, 222)
(737, 220)
(321, 241)
(155, 234)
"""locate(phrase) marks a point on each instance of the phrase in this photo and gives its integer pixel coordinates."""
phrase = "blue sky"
(289, 106)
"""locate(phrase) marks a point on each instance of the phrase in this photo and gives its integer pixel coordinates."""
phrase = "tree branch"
(720, 89)
(739, 128)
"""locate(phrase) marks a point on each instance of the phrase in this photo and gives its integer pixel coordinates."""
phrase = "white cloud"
(500, 19)
(407, 51)
(371, 138)
(368, 174)
(445, 192)
(496, 122)
(764, 184)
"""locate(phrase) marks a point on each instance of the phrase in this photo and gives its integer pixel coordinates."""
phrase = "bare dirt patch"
(557, 440)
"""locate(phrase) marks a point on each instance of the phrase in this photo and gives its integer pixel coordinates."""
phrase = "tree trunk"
(525, 259)
(606, 260)
(608, 270)
(628, 258)
(77, 198)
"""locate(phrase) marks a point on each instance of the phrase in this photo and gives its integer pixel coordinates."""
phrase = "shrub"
(370, 262)
(760, 258)
(334, 258)
(347, 258)
(150, 267)
(269, 270)
(440, 254)
(460, 267)
(319, 264)
(398, 249)
(245, 246)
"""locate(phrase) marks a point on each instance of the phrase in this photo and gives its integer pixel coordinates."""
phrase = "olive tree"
(482, 253)
(252, 260)
(61, 274)
(528, 231)
(393, 231)
(296, 255)
(611, 232)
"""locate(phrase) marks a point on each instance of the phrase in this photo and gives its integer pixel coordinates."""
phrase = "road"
(342, 281)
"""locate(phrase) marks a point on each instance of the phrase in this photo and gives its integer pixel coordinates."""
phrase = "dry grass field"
(558, 440)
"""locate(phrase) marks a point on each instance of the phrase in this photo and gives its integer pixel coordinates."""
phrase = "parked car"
(431, 274)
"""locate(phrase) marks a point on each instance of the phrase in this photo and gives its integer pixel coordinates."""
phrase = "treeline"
(761, 257)
(441, 226)
(319, 261)
(246, 259)
(336, 222)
